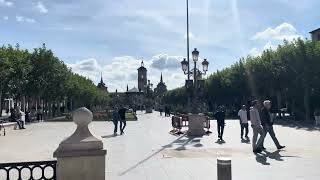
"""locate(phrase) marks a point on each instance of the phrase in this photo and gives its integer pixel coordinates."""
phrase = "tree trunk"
(293, 107)
(279, 102)
(0, 102)
(306, 102)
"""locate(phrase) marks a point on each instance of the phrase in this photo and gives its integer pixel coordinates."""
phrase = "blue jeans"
(115, 123)
(123, 125)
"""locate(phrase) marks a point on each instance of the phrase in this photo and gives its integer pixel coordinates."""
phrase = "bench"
(176, 124)
(4, 124)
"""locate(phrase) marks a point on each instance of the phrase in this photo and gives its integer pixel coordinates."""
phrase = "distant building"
(161, 88)
(142, 77)
(315, 34)
(135, 97)
(101, 85)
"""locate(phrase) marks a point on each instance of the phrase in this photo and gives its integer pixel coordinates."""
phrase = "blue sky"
(112, 36)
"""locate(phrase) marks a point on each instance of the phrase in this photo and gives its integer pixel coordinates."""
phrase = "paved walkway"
(148, 152)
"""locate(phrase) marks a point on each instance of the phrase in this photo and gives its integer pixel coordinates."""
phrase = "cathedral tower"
(142, 77)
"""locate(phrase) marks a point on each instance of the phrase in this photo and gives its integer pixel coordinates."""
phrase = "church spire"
(161, 78)
(101, 81)
(127, 88)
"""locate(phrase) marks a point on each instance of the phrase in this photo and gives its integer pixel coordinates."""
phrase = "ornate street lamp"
(196, 73)
(185, 66)
(205, 65)
(195, 55)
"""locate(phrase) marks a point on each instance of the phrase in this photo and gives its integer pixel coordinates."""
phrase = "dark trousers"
(220, 129)
(40, 117)
(244, 126)
(115, 123)
(269, 129)
(123, 124)
(20, 124)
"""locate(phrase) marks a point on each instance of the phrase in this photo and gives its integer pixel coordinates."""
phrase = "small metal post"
(224, 168)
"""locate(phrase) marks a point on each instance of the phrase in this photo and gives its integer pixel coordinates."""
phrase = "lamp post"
(149, 97)
(196, 74)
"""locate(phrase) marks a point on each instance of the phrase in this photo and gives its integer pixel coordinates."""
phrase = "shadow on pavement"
(303, 125)
(150, 156)
(263, 157)
(109, 136)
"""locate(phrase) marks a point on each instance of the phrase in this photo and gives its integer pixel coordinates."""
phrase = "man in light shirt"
(243, 121)
(256, 127)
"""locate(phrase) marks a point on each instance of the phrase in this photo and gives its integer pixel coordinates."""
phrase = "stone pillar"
(196, 125)
(81, 156)
(224, 168)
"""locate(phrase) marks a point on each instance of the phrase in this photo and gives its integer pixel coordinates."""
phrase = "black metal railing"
(40, 170)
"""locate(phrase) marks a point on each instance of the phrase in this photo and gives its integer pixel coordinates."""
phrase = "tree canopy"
(40, 74)
(289, 76)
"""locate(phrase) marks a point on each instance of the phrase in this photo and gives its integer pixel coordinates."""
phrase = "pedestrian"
(169, 111)
(267, 124)
(115, 120)
(39, 113)
(256, 127)
(123, 123)
(19, 115)
(243, 121)
(12, 115)
(220, 116)
(161, 109)
(54, 109)
(165, 111)
(317, 116)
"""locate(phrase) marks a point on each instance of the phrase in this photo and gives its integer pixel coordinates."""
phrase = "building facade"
(161, 88)
(315, 34)
(102, 86)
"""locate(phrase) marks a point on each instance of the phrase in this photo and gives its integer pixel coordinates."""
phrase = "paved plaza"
(147, 151)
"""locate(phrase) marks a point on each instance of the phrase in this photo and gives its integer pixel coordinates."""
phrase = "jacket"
(255, 117)
(265, 117)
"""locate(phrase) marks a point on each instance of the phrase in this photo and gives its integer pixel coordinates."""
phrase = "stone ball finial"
(82, 116)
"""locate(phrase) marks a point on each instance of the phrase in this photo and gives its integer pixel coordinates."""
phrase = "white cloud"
(6, 3)
(254, 52)
(88, 68)
(283, 31)
(41, 7)
(5, 18)
(123, 71)
(25, 19)
(258, 51)
(269, 45)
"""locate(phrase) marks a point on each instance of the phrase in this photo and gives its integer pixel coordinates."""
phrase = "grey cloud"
(163, 61)
(86, 65)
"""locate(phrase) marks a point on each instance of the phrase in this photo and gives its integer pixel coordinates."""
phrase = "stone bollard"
(224, 168)
(81, 156)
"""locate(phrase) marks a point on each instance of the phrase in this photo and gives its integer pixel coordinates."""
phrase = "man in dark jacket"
(115, 120)
(220, 116)
(123, 123)
(267, 123)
